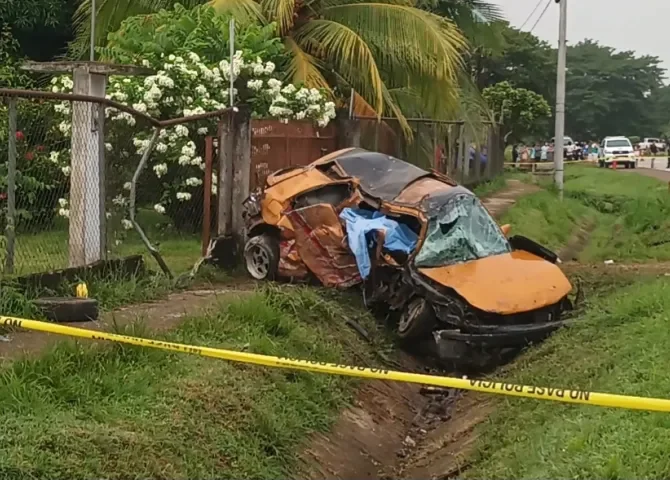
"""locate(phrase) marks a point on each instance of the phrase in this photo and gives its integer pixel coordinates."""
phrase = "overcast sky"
(623, 24)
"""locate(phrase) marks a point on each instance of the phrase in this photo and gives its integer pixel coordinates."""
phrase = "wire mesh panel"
(35, 173)
(468, 155)
(169, 192)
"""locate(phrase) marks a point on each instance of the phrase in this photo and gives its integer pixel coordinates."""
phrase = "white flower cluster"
(63, 211)
(186, 85)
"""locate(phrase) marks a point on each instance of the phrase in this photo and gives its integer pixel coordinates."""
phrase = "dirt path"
(656, 268)
(498, 203)
(159, 315)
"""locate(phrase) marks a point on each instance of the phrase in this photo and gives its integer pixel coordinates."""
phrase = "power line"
(540, 17)
(530, 15)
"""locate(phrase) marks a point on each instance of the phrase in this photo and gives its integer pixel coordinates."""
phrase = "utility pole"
(560, 97)
(92, 46)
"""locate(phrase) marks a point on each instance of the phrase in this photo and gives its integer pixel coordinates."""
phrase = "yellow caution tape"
(487, 386)
(546, 162)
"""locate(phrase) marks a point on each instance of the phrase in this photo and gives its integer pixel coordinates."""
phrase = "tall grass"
(115, 411)
(619, 346)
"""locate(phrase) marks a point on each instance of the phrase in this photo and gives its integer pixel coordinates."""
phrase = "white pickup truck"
(569, 152)
(648, 142)
(617, 150)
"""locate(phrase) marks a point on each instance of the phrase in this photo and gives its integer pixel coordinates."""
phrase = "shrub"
(187, 50)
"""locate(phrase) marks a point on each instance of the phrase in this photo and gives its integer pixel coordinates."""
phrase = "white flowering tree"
(186, 83)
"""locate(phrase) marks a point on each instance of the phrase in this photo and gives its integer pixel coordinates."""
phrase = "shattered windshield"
(460, 231)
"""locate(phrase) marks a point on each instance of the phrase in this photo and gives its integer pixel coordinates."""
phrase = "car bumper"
(620, 159)
(503, 335)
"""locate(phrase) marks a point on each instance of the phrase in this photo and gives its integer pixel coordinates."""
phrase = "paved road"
(644, 167)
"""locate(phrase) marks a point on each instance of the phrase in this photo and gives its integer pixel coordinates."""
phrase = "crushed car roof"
(381, 175)
(393, 180)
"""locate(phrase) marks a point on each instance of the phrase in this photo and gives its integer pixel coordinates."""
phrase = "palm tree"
(390, 52)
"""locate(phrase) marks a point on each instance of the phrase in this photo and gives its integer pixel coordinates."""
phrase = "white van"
(619, 150)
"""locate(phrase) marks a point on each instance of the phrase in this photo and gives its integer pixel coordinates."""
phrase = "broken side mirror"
(506, 229)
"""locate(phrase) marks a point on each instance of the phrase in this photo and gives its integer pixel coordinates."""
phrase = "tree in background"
(43, 28)
(610, 93)
(607, 92)
(521, 112)
(390, 52)
(523, 60)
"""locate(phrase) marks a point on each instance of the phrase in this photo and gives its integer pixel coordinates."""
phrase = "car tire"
(601, 163)
(416, 320)
(66, 309)
(261, 257)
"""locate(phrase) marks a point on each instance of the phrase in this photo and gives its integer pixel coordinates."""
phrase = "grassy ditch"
(631, 213)
(112, 411)
(618, 346)
(544, 218)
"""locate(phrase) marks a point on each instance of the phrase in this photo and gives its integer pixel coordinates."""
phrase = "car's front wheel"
(261, 257)
(416, 320)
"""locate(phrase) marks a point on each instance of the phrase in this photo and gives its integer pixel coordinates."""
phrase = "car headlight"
(252, 205)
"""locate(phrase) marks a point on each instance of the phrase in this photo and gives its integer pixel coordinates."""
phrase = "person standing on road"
(515, 153)
(543, 153)
(653, 149)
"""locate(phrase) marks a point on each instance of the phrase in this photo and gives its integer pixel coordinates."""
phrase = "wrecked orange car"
(419, 244)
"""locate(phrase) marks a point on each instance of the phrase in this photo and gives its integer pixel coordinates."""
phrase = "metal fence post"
(10, 229)
(225, 186)
(207, 195)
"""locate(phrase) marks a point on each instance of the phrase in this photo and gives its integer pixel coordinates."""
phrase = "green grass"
(545, 219)
(44, 251)
(619, 346)
(114, 411)
(631, 213)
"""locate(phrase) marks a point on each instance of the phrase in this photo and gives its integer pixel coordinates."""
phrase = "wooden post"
(10, 228)
(467, 166)
(87, 170)
(207, 195)
(87, 202)
(225, 187)
(81, 127)
(98, 87)
(241, 170)
(491, 154)
(348, 132)
(460, 160)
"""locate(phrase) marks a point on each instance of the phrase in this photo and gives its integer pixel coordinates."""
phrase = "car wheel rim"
(408, 316)
(258, 262)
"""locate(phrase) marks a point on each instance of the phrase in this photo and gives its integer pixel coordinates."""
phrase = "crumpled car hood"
(505, 284)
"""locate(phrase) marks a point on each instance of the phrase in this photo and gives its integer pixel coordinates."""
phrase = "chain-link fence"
(84, 180)
(468, 155)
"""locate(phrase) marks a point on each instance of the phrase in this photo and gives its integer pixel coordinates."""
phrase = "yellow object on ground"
(82, 291)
